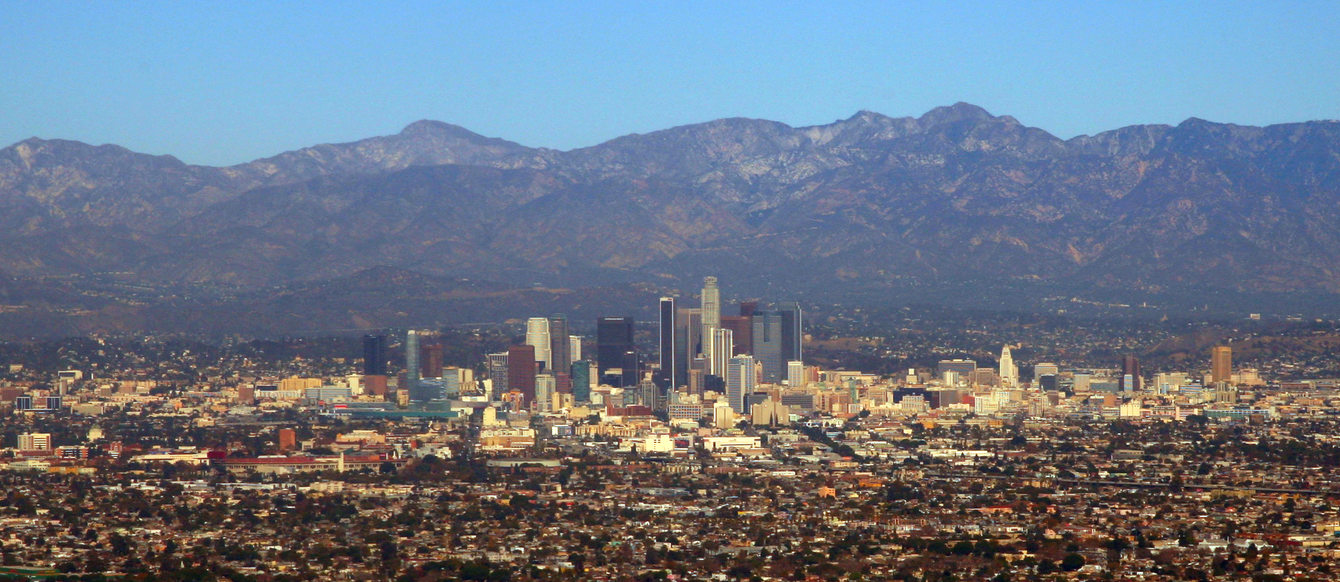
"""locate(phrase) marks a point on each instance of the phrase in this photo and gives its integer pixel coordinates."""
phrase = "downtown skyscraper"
(615, 353)
(412, 372)
(711, 306)
(739, 381)
(560, 353)
(777, 339)
(669, 376)
(537, 336)
(374, 355)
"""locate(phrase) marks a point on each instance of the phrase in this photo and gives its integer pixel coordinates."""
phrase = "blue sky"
(227, 82)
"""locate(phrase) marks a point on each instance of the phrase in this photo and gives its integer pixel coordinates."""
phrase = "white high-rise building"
(537, 336)
(711, 314)
(545, 386)
(722, 349)
(740, 378)
(1009, 373)
(795, 373)
(574, 348)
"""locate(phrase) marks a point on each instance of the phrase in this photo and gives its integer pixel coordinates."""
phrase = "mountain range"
(957, 205)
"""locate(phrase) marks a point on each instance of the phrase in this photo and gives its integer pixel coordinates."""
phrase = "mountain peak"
(432, 127)
(868, 116)
(955, 113)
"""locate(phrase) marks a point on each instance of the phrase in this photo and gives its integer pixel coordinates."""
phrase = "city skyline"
(760, 291)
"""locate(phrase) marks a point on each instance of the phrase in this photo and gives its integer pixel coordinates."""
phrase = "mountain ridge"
(871, 202)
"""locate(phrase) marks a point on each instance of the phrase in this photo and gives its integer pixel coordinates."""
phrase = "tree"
(1072, 562)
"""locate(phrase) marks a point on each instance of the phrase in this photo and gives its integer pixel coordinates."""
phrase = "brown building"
(288, 439)
(431, 361)
(742, 333)
(1221, 364)
(1130, 368)
(521, 371)
(375, 385)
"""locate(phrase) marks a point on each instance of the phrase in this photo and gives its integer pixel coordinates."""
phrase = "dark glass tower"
(560, 354)
(669, 376)
(792, 335)
(615, 350)
(374, 355)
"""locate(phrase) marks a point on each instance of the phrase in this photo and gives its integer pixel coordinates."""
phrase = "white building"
(740, 378)
(1009, 373)
(537, 336)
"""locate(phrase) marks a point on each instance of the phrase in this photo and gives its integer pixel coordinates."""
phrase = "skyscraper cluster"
(699, 347)
(696, 349)
(548, 363)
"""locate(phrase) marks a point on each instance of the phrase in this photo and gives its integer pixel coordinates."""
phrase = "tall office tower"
(768, 347)
(615, 351)
(521, 372)
(545, 386)
(1221, 364)
(711, 312)
(688, 330)
(795, 374)
(412, 370)
(581, 381)
(1130, 374)
(498, 374)
(560, 360)
(665, 334)
(574, 348)
(1009, 373)
(743, 329)
(723, 342)
(432, 360)
(792, 335)
(374, 355)
(537, 336)
(739, 381)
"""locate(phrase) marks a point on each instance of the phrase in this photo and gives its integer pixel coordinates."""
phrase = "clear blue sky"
(227, 82)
